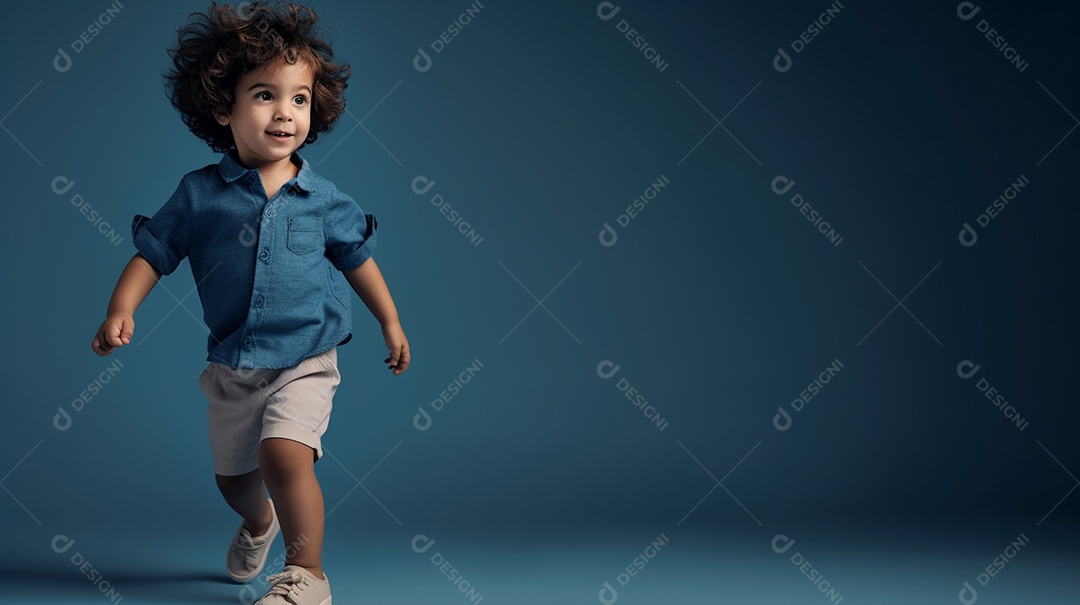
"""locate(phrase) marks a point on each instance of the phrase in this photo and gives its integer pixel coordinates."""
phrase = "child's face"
(271, 113)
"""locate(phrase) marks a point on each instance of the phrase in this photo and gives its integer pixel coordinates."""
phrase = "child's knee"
(283, 459)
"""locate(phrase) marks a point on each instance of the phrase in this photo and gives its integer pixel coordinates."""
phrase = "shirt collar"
(231, 169)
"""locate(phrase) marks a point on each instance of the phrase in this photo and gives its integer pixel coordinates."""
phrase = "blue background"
(719, 302)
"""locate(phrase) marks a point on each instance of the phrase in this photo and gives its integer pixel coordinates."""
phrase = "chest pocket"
(305, 235)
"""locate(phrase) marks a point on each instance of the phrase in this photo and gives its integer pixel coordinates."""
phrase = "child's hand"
(114, 332)
(398, 346)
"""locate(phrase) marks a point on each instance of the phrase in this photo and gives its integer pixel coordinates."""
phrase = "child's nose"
(283, 112)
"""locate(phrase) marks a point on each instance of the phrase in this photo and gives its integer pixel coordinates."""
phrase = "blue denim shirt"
(268, 271)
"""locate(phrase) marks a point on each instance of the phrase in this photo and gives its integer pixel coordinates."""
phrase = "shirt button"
(258, 301)
(247, 343)
(269, 212)
(265, 254)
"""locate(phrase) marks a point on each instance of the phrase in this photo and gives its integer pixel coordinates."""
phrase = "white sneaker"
(247, 554)
(296, 586)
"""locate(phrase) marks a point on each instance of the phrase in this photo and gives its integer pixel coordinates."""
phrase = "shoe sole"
(271, 534)
(325, 601)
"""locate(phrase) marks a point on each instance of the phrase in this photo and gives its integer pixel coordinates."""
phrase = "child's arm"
(138, 278)
(370, 286)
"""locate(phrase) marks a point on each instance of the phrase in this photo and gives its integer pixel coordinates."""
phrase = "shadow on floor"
(133, 585)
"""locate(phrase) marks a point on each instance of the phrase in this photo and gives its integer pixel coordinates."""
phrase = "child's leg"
(288, 468)
(247, 496)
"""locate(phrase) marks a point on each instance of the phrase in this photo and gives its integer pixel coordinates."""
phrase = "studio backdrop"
(677, 267)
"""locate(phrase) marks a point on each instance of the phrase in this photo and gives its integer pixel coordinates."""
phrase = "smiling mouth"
(279, 134)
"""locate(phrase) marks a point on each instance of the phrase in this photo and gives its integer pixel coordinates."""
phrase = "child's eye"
(301, 100)
(264, 96)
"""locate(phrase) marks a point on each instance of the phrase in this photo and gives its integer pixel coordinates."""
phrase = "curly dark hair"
(219, 46)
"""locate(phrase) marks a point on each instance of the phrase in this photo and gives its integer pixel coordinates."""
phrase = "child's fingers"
(126, 331)
(98, 347)
(398, 360)
(114, 335)
(102, 338)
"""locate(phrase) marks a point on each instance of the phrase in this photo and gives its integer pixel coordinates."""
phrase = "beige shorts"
(247, 406)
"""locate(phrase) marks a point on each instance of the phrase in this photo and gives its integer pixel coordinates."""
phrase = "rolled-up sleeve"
(163, 240)
(350, 234)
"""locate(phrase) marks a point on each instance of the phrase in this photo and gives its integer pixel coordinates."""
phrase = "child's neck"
(274, 174)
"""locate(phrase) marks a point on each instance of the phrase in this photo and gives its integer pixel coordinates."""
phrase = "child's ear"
(222, 117)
